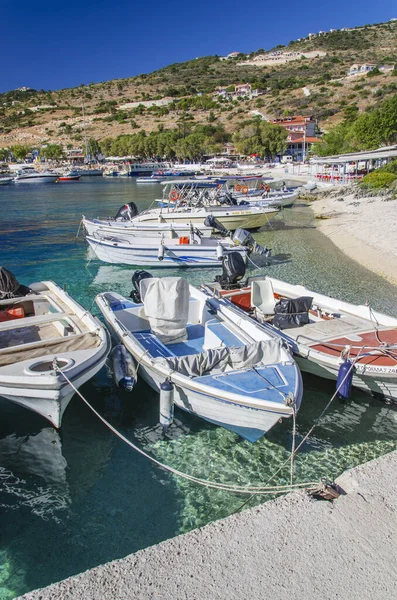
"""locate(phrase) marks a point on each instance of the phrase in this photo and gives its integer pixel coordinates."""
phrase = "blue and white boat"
(186, 251)
(205, 357)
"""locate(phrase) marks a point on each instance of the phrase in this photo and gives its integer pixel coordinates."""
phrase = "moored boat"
(323, 332)
(32, 176)
(43, 329)
(6, 180)
(185, 251)
(126, 229)
(71, 176)
(192, 349)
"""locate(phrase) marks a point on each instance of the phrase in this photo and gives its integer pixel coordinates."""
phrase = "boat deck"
(194, 343)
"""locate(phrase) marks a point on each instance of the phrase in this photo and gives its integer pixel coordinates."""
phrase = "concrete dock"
(293, 547)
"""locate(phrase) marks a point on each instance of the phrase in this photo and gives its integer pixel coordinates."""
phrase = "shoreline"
(365, 229)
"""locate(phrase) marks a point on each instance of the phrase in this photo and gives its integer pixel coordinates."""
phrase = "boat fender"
(345, 375)
(166, 403)
(160, 254)
(124, 368)
(219, 252)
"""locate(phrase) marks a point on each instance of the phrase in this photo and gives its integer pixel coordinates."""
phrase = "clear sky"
(48, 44)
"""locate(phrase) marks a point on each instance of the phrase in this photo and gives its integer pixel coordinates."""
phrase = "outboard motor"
(10, 286)
(242, 237)
(136, 279)
(233, 267)
(227, 198)
(210, 221)
(127, 212)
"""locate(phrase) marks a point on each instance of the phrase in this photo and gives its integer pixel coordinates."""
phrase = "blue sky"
(51, 44)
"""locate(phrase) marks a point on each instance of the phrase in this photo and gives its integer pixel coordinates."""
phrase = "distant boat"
(89, 172)
(6, 180)
(71, 176)
(148, 168)
(32, 176)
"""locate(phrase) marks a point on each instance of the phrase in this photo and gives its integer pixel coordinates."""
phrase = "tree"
(19, 152)
(93, 148)
(52, 152)
(4, 153)
(273, 138)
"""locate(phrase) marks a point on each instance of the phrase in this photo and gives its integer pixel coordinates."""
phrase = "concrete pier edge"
(292, 547)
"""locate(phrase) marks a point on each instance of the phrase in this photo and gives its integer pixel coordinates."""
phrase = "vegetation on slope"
(36, 117)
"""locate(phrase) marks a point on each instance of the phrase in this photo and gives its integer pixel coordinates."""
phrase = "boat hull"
(250, 423)
(184, 256)
(233, 219)
(40, 179)
(127, 230)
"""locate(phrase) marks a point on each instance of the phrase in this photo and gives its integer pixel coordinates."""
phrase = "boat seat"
(262, 296)
(30, 321)
(217, 334)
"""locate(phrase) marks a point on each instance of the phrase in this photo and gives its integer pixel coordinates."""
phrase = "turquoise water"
(73, 499)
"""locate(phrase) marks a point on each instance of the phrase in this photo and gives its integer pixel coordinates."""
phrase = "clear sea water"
(74, 499)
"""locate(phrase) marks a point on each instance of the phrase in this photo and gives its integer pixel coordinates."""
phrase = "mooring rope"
(252, 490)
(296, 450)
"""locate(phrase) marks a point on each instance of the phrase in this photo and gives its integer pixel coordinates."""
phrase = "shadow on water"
(77, 498)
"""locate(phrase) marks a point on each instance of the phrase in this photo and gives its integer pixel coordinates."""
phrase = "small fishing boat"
(202, 358)
(6, 180)
(185, 251)
(129, 230)
(71, 176)
(42, 327)
(324, 333)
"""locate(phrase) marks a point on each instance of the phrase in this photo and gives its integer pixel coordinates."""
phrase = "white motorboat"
(274, 198)
(152, 179)
(32, 176)
(6, 180)
(324, 332)
(185, 251)
(38, 331)
(129, 230)
(231, 217)
(204, 359)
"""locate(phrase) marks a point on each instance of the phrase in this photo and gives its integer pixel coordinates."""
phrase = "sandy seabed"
(363, 228)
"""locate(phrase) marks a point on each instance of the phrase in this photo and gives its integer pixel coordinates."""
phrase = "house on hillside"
(245, 90)
(298, 124)
(357, 69)
(222, 93)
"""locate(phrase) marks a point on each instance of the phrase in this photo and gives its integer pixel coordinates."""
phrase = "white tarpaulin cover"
(166, 304)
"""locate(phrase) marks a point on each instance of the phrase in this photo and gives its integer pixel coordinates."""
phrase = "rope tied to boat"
(296, 449)
(251, 490)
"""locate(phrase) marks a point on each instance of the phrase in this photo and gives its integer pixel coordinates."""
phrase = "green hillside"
(316, 85)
